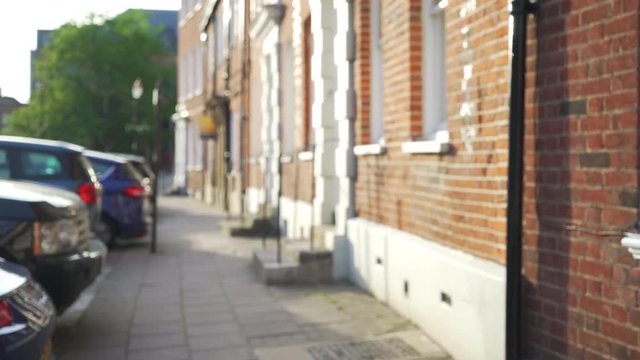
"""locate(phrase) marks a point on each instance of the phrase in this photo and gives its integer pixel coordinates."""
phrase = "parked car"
(140, 164)
(47, 230)
(125, 204)
(55, 163)
(27, 316)
(143, 168)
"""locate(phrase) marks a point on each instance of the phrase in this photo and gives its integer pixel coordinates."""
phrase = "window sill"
(286, 159)
(305, 156)
(425, 147)
(195, 168)
(369, 149)
(632, 242)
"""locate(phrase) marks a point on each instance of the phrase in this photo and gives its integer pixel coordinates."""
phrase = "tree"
(85, 75)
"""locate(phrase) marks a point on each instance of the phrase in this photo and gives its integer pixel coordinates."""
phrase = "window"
(210, 53)
(377, 69)
(199, 69)
(37, 165)
(219, 37)
(183, 77)
(434, 95)
(235, 141)
(307, 84)
(5, 171)
(191, 73)
(232, 23)
(226, 23)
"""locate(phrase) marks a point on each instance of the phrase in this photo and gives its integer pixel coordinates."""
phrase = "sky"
(20, 20)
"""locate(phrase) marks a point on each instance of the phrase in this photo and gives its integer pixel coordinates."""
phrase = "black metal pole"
(156, 166)
(520, 10)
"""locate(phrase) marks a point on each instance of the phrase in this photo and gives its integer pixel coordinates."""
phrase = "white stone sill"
(305, 156)
(425, 147)
(286, 159)
(632, 242)
(369, 149)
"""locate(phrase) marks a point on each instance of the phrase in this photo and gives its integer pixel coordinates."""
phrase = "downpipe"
(520, 12)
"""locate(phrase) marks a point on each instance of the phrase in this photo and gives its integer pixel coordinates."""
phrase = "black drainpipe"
(520, 11)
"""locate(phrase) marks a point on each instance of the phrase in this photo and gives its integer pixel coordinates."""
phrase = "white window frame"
(376, 114)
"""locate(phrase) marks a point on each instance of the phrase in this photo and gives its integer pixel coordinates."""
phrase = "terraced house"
(379, 132)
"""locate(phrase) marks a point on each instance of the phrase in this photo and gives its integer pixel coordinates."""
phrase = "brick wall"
(581, 181)
(458, 198)
(297, 180)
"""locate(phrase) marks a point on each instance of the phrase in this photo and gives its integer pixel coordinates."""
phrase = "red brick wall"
(459, 198)
(581, 181)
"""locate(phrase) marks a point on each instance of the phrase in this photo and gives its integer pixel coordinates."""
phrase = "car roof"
(92, 154)
(40, 143)
(131, 157)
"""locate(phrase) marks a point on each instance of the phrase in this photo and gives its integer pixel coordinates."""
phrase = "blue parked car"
(27, 316)
(125, 202)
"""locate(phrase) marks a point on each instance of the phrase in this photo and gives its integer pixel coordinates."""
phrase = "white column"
(323, 75)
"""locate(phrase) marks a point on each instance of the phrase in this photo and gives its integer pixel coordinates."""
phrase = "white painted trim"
(286, 159)
(425, 147)
(632, 242)
(195, 168)
(305, 155)
(369, 149)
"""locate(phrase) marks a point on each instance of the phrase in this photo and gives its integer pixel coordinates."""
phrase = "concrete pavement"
(198, 299)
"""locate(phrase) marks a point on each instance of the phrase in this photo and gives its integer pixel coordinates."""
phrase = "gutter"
(520, 12)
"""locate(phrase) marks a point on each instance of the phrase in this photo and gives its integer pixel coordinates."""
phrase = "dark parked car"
(125, 204)
(27, 316)
(47, 230)
(53, 163)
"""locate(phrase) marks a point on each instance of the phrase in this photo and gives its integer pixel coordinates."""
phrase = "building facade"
(189, 156)
(380, 129)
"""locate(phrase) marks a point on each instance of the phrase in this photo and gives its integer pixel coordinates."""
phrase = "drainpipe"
(520, 11)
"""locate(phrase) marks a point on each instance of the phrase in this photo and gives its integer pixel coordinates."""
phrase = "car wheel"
(107, 232)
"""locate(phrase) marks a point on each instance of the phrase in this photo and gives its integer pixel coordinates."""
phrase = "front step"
(248, 227)
(309, 267)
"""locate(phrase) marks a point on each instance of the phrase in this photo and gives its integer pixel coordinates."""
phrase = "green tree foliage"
(86, 74)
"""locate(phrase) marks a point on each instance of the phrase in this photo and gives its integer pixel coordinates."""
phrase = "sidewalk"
(198, 299)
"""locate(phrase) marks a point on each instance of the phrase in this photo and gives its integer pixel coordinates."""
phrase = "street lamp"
(136, 92)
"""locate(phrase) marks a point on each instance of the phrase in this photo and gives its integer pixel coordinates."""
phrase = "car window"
(5, 171)
(101, 167)
(132, 173)
(40, 164)
(80, 168)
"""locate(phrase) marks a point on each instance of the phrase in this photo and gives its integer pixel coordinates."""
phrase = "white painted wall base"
(456, 298)
(297, 217)
(254, 200)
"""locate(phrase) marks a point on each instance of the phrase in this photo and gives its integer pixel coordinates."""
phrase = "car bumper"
(64, 277)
